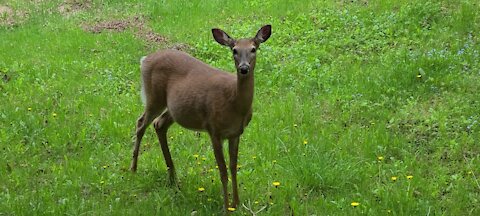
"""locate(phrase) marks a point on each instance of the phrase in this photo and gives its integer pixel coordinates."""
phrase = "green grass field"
(361, 108)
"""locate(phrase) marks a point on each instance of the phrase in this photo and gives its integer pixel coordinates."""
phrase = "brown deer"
(179, 88)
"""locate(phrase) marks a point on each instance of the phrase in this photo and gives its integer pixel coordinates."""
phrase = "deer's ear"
(263, 34)
(222, 38)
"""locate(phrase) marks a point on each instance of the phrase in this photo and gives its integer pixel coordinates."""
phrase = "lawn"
(361, 108)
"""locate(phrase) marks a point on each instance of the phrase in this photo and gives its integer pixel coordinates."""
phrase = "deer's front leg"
(233, 153)
(218, 151)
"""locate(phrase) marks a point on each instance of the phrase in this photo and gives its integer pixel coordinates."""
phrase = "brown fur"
(180, 88)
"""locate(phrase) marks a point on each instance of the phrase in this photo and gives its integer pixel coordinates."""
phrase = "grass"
(348, 95)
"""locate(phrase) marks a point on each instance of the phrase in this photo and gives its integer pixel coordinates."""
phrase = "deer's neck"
(245, 91)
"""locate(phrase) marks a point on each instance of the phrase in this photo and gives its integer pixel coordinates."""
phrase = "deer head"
(243, 50)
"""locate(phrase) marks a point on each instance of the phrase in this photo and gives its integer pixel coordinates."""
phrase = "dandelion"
(380, 158)
(409, 177)
(29, 109)
(102, 182)
(196, 156)
(394, 178)
(231, 209)
(295, 125)
(276, 183)
(239, 166)
(419, 76)
(204, 158)
(201, 189)
(305, 142)
(256, 202)
(355, 204)
(54, 115)
(254, 157)
(104, 166)
(274, 161)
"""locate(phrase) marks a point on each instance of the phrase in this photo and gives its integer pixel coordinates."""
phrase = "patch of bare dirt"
(137, 24)
(152, 37)
(181, 47)
(72, 7)
(5, 10)
(113, 25)
(11, 17)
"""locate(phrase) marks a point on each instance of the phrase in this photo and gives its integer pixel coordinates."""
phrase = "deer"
(177, 87)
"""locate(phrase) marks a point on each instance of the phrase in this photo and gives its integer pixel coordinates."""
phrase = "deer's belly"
(187, 119)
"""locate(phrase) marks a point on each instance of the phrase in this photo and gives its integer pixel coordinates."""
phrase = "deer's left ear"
(263, 34)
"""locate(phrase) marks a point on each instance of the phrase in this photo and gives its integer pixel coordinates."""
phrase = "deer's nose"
(244, 68)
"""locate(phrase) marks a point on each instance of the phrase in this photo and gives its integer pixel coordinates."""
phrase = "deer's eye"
(253, 50)
(235, 52)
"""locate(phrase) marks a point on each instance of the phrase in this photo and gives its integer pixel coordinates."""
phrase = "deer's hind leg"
(161, 125)
(151, 112)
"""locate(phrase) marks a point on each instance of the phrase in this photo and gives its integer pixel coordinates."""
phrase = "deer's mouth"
(243, 72)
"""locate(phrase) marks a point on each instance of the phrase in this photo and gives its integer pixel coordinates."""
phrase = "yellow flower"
(201, 189)
(204, 158)
(54, 115)
(274, 161)
(380, 158)
(305, 142)
(239, 166)
(104, 166)
(102, 182)
(419, 76)
(254, 157)
(196, 156)
(29, 109)
(256, 202)
(394, 178)
(231, 209)
(295, 125)
(409, 177)
(355, 204)
(276, 183)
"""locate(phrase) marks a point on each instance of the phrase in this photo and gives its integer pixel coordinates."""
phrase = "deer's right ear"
(222, 38)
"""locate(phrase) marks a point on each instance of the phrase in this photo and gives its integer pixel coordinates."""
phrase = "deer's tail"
(142, 93)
